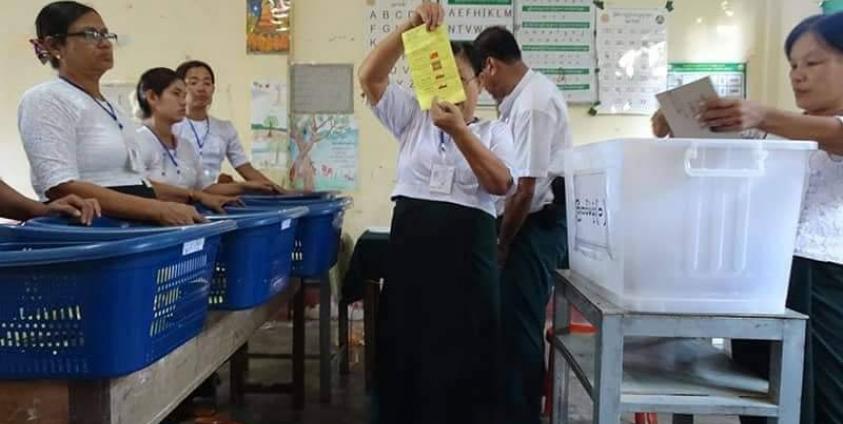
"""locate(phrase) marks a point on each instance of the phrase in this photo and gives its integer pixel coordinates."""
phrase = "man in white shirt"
(532, 239)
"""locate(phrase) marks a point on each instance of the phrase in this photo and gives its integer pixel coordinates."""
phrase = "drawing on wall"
(268, 26)
(324, 152)
(269, 124)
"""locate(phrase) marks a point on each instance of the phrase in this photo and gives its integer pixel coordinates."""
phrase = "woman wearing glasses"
(439, 318)
(77, 141)
(214, 139)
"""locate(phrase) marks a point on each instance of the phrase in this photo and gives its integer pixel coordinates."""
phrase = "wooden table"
(648, 362)
(148, 395)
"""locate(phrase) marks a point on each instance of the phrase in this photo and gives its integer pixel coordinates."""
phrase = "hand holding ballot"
(429, 14)
(682, 108)
(432, 64)
(446, 116)
(731, 114)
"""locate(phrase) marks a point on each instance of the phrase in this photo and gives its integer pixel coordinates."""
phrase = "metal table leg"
(560, 413)
(609, 371)
(786, 360)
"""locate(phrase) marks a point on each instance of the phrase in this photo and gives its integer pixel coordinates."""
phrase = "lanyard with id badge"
(441, 174)
(134, 161)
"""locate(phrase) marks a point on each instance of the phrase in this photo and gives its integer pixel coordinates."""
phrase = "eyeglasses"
(466, 81)
(93, 36)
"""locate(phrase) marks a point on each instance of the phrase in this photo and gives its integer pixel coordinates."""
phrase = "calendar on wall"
(632, 58)
(557, 39)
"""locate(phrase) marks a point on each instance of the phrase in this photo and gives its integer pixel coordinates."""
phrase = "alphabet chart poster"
(466, 19)
(632, 58)
(557, 39)
(382, 16)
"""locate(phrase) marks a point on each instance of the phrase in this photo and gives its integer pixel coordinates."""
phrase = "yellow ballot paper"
(432, 65)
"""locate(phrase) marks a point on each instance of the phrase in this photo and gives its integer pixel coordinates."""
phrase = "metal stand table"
(648, 362)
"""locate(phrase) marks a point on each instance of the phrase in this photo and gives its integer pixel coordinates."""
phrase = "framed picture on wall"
(268, 26)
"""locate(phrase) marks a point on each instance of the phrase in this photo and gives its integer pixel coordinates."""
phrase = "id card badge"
(442, 179)
(135, 163)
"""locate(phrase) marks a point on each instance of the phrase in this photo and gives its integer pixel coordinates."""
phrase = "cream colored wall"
(165, 32)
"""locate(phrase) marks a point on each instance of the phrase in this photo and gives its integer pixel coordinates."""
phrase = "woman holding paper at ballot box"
(215, 140)
(815, 51)
(438, 324)
(171, 159)
(78, 142)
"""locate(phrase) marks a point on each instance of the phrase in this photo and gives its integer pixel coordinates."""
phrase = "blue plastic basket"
(318, 235)
(75, 310)
(102, 229)
(273, 199)
(254, 261)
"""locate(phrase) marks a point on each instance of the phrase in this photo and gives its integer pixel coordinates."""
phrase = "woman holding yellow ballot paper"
(438, 324)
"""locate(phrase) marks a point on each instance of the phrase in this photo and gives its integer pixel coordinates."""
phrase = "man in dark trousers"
(532, 240)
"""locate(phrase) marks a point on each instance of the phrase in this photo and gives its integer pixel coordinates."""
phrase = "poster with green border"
(557, 40)
(729, 78)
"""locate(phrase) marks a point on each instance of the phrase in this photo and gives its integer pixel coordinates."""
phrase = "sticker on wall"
(324, 151)
(268, 26)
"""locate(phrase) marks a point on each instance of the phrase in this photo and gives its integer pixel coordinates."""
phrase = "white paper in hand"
(681, 105)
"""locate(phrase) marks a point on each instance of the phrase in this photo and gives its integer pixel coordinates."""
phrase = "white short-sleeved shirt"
(214, 141)
(537, 116)
(820, 232)
(178, 167)
(67, 136)
(422, 146)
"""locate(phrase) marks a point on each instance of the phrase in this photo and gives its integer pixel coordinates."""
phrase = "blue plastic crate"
(318, 235)
(73, 310)
(254, 261)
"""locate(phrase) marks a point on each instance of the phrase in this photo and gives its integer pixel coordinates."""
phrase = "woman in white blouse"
(214, 139)
(815, 51)
(441, 300)
(167, 157)
(76, 140)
